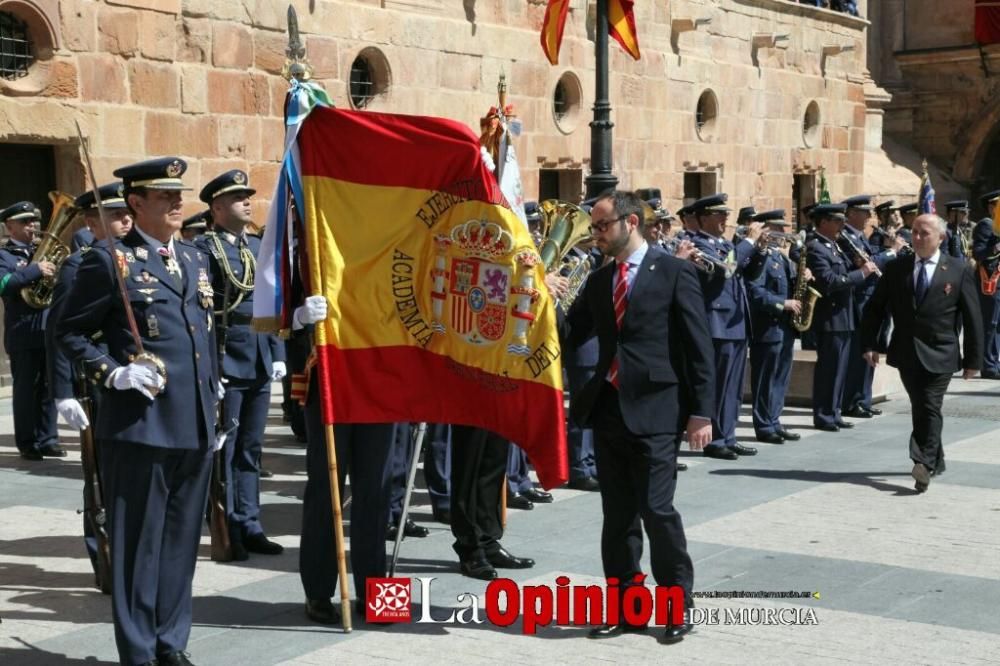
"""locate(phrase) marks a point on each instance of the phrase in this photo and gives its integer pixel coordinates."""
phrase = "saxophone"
(804, 294)
(51, 248)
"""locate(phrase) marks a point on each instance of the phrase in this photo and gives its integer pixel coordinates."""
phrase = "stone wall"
(200, 78)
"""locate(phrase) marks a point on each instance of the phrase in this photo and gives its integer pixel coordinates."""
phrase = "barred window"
(362, 82)
(16, 51)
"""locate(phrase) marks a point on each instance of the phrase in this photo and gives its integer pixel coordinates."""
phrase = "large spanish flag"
(437, 308)
(621, 24)
(552, 28)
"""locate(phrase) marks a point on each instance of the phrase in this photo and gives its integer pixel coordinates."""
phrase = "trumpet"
(704, 263)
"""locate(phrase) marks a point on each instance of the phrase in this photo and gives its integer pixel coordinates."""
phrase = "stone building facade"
(945, 88)
(750, 97)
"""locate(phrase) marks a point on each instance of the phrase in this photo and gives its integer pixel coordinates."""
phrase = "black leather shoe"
(478, 568)
(789, 436)
(874, 411)
(586, 483)
(772, 438)
(827, 427)
(31, 455)
(719, 452)
(502, 559)
(174, 659)
(240, 552)
(410, 529)
(266, 474)
(675, 633)
(844, 425)
(442, 516)
(857, 412)
(322, 611)
(682, 467)
(52, 451)
(519, 501)
(258, 543)
(743, 450)
(538, 496)
(615, 630)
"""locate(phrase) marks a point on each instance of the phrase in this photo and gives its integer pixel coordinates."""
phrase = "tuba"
(563, 225)
(52, 249)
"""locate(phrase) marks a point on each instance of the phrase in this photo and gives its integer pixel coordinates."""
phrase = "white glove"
(137, 376)
(312, 311)
(487, 159)
(220, 441)
(72, 413)
(278, 371)
(220, 391)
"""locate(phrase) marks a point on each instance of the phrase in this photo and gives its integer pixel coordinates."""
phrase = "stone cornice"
(797, 9)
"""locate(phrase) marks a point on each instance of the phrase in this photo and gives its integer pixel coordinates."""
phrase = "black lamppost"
(601, 177)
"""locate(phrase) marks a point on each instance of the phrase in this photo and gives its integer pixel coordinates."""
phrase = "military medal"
(122, 263)
(154, 326)
(142, 253)
(205, 293)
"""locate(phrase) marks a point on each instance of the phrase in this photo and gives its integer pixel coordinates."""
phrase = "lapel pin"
(652, 267)
(947, 288)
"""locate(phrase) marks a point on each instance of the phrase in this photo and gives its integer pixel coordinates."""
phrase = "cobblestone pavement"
(900, 577)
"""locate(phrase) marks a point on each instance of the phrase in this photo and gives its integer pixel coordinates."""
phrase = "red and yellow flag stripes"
(437, 309)
(621, 26)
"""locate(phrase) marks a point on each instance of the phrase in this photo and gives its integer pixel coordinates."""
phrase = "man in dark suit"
(653, 380)
(250, 360)
(835, 317)
(928, 295)
(24, 334)
(986, 251)
(156, 427)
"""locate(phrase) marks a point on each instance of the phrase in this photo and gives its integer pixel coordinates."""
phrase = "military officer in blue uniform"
(772, 305)
(907, 214)
(196, 225)
(727, 308)
(24, 340)
(835, 316)
(82, 237)
(63, 384)
(986, 251)
(250, 361)
(156, 427)
(957, 215)
(885, 217)
(857, 401)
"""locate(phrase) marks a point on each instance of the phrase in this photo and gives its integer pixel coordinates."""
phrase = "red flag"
(987, 21)
(552, 28)
(621, 26)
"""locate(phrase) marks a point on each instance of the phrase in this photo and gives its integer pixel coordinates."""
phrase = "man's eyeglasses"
(601, 227)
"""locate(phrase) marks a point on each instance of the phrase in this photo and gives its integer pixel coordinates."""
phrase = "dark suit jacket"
(666, 360)
(926, 335)
(174, 323)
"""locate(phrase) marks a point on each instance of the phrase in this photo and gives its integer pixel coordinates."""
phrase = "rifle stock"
(218, 524)
(93, 497)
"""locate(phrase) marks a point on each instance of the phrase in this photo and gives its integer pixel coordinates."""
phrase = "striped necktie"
(621, 302)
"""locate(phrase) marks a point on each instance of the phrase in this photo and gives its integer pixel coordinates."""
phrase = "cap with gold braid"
(112, 196)
(231, 181)
(162, 173)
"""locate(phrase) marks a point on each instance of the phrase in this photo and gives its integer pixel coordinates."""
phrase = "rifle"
(93, 497)
(218, 524)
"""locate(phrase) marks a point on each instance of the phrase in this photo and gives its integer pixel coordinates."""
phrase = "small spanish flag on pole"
(621, 26)
(552, 28)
